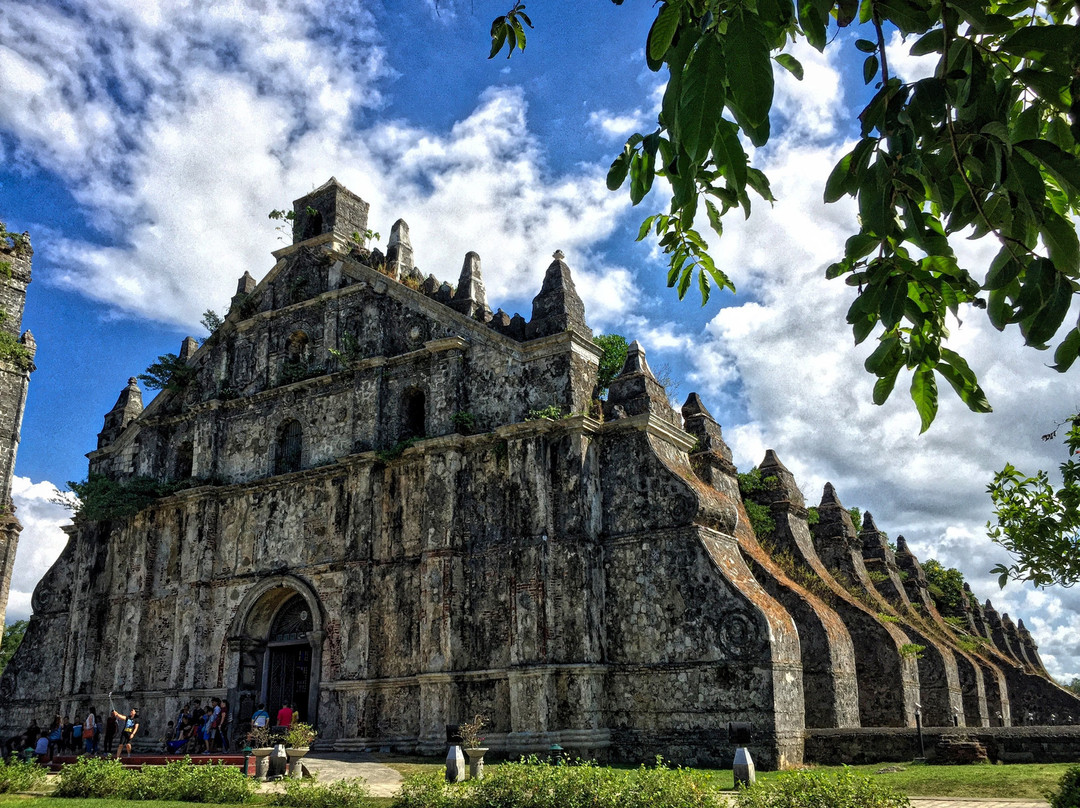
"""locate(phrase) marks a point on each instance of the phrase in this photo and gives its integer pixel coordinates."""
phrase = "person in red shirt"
(284, 716)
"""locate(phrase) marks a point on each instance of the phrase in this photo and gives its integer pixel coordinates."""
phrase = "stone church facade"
(398, 509)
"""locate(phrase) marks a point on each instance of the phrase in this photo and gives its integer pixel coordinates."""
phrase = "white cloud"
(241, 112)
(40, 542)
(613, 126)
(903, 64)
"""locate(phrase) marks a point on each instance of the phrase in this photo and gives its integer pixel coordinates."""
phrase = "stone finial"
(430, 286)
(246, 285)
(698, 421)
(188, 348)
(558, 307)
(127, 408)
(635, 361)
(517, 327)
(471, 298)
(399, 251)
(834, 534)
(444, 294)
(636, 389)
(902, 546)
(784, 489)
(500, 319)
(558, 255)
(915, 583)
(28, 342)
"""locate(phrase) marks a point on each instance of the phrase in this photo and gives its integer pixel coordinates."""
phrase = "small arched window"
(292, 622)
(413, 415)
(289, 448)
(185, 459)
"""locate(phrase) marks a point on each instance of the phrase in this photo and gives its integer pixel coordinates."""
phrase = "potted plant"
(261, 741)
(473, 743)
(297, 739)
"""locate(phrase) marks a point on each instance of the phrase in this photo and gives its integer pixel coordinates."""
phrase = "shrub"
(92, 777)
(810, 790)
(299, 735)
(20, 775)
(311, 794)
(1068, 791)
(179, 780)
(533, 784)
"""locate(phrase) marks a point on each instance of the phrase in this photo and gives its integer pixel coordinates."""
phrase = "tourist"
(110, 733)
(66, 731)
(76, 736)
(129, 731)
(170, 735)
(226, 720)
(284, 715)
(295, 714)
(261, 718)
(89, 732)
(42, 748)
(56, 735)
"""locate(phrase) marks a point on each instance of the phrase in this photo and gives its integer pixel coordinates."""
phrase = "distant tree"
(1074, 686)
(988, 146)
(13, 637)
(1038, 524)
(614, 348)
(946, 586)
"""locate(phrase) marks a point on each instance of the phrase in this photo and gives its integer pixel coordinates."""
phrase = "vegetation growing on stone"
(101, 497)
(946, 586)
(614, 348)
(13, 637)
(13, 351)
(169, 372)
(760, 516)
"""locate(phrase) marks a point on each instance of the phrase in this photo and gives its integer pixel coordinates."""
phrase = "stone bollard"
(278, 763)
(739, 734)
(455, 758)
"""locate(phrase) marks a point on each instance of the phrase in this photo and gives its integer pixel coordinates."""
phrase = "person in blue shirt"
(130, 730)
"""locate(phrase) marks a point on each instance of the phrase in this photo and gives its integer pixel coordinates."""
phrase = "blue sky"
(143, 144)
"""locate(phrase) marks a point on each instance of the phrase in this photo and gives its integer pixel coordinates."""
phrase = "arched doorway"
(276, 648)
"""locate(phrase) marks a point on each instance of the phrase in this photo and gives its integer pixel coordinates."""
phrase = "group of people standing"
(91, 735)
(199, 729)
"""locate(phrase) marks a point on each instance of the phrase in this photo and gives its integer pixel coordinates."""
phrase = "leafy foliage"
(509, 30)
(1067, 794)
(169, 372)
(299, 735)
(534, 784)
(20, 775)
(1039, 525)
(810, 789)
(987, 147)
(552, 411)
(211, 320)
(760, 516)
(100, 497)
(464, 422)
(946, 586)
(912, 649)
(856, 518)
(178, 780)
(13, 351)
(13, 637)
(308, 793)
(614, 347)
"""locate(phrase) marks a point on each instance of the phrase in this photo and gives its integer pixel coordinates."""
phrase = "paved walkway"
(330, 766)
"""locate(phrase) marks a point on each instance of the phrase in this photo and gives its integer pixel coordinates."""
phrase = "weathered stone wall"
(1042, 744)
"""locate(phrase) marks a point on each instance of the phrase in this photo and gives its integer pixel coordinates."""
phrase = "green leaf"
(1037, 40)
(1064, 167)
(870, 68)
(836, 184)
(729, 154)
(617, 173)
(893, 301)
(866, 46)
(925, 395)
(715, 221)
(750, 77)
(932, 42)
(1067, 351)
(1061, 242)
(645, 227)
(662, 32)
(791, 64)
(702, 99)
(499, 30)
(883, 387)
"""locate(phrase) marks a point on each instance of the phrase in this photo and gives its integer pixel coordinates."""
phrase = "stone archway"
(275, 648)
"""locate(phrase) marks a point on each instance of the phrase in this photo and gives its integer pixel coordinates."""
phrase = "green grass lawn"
(1019, 781)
